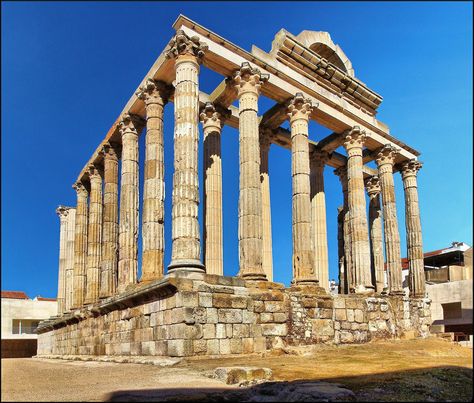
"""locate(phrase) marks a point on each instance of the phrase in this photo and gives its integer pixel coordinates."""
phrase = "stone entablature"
(215, 315)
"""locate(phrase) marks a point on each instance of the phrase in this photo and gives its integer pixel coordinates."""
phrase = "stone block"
(148, 348)
(161, 347)
(255, 330)
(240, 330)
(230, 315)
(326, 303)
(308, 302)
(346, 337)
(350, 315)
(259, 306)
(224, 346)
(339, 303)
(275, 306)
(267, 296)
(280, 317)
(279, 329)
(213, 347)
(266, 317)
(322, 327)
(229, 301)
(236, 346)
(212, 316)
(248, 317)
(325, 313)
(359, 315)
(200, 346)
(187, 299)
(260, 344)
(182, 330)
(180, 348)
(341, 314)
(205, 299)
(247, 345)
(220, 331)
(199, 314)
(345, 325)
(209, 331)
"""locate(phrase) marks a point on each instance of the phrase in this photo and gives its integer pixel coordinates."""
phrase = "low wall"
(214, 315)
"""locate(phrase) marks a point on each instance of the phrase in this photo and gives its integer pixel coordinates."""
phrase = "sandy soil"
(403, 370)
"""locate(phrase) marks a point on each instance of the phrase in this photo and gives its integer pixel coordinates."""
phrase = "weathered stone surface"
(235, 375)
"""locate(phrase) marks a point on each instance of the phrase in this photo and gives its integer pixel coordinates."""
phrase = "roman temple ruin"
(188, 307)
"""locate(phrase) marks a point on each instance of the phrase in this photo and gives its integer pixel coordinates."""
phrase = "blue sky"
(69, 68)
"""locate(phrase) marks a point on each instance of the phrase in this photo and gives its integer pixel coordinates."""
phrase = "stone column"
(342, 288)
(186, 241)
(80, 245)
(70, 235)
(248, 81)
(385, 160)
(267, 254)
(212, 123)
(375, 227)
(94, 236)
(110, 226)
(62, 213)
(360, 250)
(345, 261)
(128, 217)
(155, 95)
(299, 110)
(318, 160)
(416, 272)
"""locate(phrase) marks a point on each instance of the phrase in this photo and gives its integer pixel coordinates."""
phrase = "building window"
(452, 310)
(24, 326)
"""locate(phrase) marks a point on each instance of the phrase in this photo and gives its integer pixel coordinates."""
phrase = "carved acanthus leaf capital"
(386, 155)
(248, 79)
(372, 185)
(410, 168)
(154, 91)
(213, 116)
(62, 212)
(318, 157)
(354, 138)
(111, 151)
(80, 189)
(130, 123)
(300, 107)
(94, 173)
(181, 44)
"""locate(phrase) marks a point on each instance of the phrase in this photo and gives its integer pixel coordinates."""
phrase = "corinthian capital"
(181, 44)
(386, 155)
(248, 79)
(62, 212)
(130, 124)
(154, 91)
(410, 168)
(80, 189)
(300, 107)
(213, 116)
(111, 151)
(318, 157)
(354, 138)
(94, 173)
(372, 185)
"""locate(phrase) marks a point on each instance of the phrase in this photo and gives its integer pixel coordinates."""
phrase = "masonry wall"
(215, 315)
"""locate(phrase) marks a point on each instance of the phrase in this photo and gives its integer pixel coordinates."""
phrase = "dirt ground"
(405, 370)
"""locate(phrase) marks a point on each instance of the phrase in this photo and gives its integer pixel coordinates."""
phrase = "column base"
(397, 293)
(255, 277)
(305, 281)
(189, 265)
(363, 290)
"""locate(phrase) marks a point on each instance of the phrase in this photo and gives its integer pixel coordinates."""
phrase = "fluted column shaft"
(376, 239)
(110, 226)
(358, 228)
(70, 235)
(303, 258)
(385, 160)
(61, 295)
(128, 222)
(416, 273)
(248, 82)
(80, 246)
(212, 122)
(318, 216)
(155, 95)
(94, 237)
(267, 253)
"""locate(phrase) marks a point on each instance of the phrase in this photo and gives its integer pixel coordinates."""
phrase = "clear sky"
(69, 68)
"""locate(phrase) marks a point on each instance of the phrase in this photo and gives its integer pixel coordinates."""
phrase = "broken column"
(318, 160)
(267, 254)
(155, 95)
(360, 250)
(248, 81)
(212, 123)
(416, 272)
(186, 245)
(110, 226)
(385, 159)
(94, 236)
(299, 110)
(375, 228)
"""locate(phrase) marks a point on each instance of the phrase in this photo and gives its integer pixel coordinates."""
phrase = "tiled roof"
(45, 299)
(14, 295)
